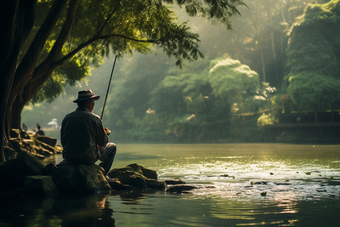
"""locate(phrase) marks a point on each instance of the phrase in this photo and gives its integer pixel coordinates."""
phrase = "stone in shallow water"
(50, 169)
(174, 181)
(259, 182)
(39, 186)
(155, 184)
(137, 176)
(80, 178)
(180, 188)
(133, 178)
(15, 171)
(117, 185)
(148, 173)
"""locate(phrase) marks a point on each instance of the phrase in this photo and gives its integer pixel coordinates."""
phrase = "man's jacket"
(81, 132)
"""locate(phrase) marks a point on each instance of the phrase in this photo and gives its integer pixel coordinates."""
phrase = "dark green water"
(302, 189)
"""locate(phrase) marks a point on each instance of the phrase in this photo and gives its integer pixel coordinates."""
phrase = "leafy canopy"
(104, 26)
(313, 55)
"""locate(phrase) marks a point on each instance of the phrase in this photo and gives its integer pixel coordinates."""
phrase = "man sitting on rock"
(83, 136)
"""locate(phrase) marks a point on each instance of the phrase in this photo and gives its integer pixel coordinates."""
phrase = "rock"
(137, 176)
(149, 173)
(50, 169)
(174, 181)
(180, 188)
(9, 153)
(15, 171)
(47, 140)
(116, 172)
(133, 178)
(80, 178)
(210, 186)
(263, 193)
(152, 183)
(117, 185)
(282, 183)
(39, 186)
(259, 182)
(334, 182)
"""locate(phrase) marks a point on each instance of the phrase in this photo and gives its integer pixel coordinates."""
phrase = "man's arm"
(103, 138)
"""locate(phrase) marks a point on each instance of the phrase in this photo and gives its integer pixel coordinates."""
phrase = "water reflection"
(302, 189)
(88, 211)
(91, 211)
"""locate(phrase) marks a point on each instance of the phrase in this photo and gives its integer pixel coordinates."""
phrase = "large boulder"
(117, 185)
(80, 178)
(133, 178)
(39, 186)
(14, 172)
(115, 173)
(152, 183)
(137, 176)
(148, 173)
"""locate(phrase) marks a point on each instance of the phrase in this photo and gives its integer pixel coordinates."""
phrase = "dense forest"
(279, 57)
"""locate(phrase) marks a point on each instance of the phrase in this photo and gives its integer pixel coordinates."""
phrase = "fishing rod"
(108, 88)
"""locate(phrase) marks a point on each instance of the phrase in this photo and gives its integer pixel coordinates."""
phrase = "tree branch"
(27, 65)
(58, 45)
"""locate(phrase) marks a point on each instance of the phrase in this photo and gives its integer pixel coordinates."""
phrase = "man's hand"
(102, 148)
(108, 131)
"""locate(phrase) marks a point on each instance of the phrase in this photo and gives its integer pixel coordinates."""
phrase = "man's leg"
(110, 152)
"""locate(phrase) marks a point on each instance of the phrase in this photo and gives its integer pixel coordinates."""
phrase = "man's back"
(81, 132)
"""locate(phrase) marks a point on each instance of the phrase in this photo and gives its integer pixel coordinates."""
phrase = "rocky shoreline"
(24, 174)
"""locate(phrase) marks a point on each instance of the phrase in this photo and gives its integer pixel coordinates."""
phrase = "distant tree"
(86, 31)
(205, 93)
(313, 56)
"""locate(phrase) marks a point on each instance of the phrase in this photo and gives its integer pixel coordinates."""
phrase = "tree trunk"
(258, 38)
(282, 12)
(15, 117)
(273, 47)
(263, 63)
(27, 81)
(21, 14)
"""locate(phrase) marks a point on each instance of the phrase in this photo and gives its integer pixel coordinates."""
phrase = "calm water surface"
(301, 183)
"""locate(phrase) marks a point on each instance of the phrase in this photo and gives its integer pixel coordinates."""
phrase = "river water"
(239, 185)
